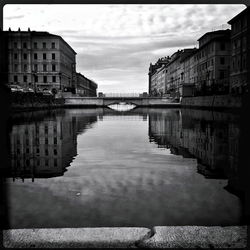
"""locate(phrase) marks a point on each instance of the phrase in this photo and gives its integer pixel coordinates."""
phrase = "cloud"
(14, 17)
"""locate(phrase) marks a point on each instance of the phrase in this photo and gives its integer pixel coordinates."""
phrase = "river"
(142, 167)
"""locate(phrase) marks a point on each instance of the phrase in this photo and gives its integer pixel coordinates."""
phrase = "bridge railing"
(122, 94)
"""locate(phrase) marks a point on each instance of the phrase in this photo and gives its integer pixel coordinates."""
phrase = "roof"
(242, 13)
(214, 33)
(42, 34)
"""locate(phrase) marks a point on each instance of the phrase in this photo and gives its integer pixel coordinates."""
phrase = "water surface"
(143, 167)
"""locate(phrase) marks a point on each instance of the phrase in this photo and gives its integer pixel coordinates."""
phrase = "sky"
(116, 43)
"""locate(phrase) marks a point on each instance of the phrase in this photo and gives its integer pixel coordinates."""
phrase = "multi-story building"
(187, 75)
(85, 86)
(40, 60)
(157, 77)
(175, 73)
(212, 62)
(240, 52)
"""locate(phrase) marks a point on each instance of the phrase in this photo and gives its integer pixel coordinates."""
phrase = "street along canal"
(141, 167)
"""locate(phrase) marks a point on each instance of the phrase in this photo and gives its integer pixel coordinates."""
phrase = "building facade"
(212, 63)
(85, 86)
(40, 60)
(240, 52)
(157, 77)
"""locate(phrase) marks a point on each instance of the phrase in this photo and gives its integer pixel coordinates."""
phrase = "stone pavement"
(128, 237)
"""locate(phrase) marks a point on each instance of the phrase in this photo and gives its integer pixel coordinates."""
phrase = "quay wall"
(210, 102)
(30, 101)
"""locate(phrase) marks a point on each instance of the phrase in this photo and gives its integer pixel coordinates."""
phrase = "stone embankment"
(210, 102)
(30, 101)
(128, 237)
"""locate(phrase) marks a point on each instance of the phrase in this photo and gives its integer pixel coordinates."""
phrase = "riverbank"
(128, 237)
(30, 102)
(213, 102)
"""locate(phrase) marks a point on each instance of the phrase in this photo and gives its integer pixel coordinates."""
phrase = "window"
(35, 67)
(25, 56)
(44, 56)
(46, 141)
(53, 78)
(35, 56)
(46, 129)
(15, 45)
(15, 79)
(222, 46)
(25, 78)
(37, 150)
(25, 45)
(46, 151)
(25, 67)
(45, 79)
(222, 74)
(53, 46)
(53, 67)
(15, 67)
(53, 56)
(35, 45)
(44, 45)
(55, 151)
(44, 67)
(55, 162)
(55, 140)
(46, 162)
(36, 78)
(15, 56)
(222, 60)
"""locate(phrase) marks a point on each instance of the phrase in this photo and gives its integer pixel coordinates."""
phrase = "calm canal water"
(143, 167)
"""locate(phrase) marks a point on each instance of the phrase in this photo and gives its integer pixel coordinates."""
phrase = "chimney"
(29, 29)
(19, 29)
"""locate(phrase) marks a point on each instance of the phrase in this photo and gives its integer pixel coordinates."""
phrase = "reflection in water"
(210, 137)
(116, 177)
(122, 106)
(45, 146)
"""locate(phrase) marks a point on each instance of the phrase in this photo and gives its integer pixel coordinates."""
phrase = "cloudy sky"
(116, 43)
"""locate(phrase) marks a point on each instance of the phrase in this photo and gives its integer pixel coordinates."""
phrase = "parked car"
(47, 92)
(28, 90)
(16, 88)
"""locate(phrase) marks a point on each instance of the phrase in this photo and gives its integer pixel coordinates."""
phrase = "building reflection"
(210, 137)
(46, 146)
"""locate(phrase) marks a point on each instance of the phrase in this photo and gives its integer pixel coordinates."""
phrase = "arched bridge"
(106, 101)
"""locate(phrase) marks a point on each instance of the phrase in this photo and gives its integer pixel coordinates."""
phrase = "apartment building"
(40, 60)
(212, 63)
(85, 86)
(240, 52)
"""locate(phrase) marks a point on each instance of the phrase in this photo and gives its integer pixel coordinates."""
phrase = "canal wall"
(30, 101)
(211, 102)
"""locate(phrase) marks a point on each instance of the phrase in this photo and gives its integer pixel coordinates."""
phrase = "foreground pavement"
(128, 237)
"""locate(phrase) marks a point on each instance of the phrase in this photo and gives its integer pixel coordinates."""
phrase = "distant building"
(157, 77)
(176, 86)
(40, 60)
(187, 84)
(85, 86)
(212, 63)
(240, 52)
